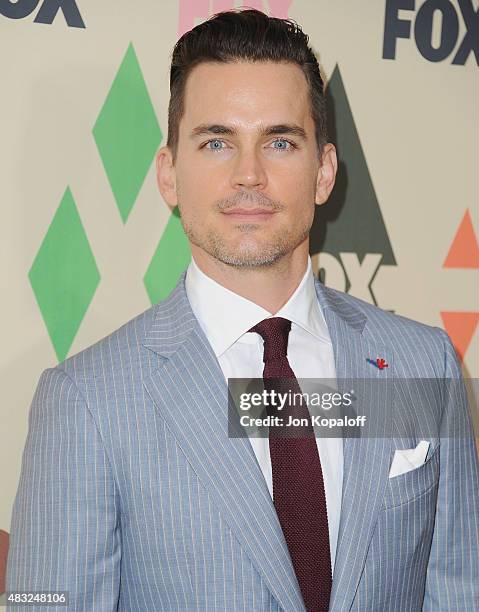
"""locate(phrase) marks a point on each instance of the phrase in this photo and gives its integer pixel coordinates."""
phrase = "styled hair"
(244, 35)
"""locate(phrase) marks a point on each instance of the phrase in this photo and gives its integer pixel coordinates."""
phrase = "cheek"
(196, 183)
(296, 178)
(298, 194)
(195, 199)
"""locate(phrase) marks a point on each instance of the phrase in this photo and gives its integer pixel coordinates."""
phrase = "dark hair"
(247, 35)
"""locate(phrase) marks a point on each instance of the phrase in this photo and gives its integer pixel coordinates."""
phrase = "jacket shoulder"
(123, 345)
(416, 341)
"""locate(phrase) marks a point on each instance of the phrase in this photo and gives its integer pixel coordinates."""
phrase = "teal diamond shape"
(171, 258)
(64, 276)
(127, 133)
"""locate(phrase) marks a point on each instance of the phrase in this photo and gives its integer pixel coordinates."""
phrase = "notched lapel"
(366, 460)
(190, 392)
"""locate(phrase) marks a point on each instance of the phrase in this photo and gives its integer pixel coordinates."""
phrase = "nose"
(248, 170)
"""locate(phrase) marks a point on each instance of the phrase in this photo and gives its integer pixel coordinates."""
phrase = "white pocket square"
(408, 459)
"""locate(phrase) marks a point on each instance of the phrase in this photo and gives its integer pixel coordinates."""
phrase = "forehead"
(249, 92)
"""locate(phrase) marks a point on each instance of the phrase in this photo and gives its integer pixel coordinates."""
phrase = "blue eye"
(214, 140)
(283, 141)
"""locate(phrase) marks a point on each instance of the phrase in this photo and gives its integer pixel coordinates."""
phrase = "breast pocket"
(414, 484)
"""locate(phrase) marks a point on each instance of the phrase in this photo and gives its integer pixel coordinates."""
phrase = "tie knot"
(275, 332)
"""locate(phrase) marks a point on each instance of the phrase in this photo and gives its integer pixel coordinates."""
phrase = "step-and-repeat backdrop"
(86, 241)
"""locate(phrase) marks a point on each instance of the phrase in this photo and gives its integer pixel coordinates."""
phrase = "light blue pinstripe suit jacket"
(132, 497)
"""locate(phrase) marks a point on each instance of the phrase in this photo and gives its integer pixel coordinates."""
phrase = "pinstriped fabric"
(132, 497)
(189, 396)
(121, 499)
(65, 476)
(424, 550)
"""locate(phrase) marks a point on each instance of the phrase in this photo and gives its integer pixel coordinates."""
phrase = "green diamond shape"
(64, 276)
(127, 133)
(171, 258)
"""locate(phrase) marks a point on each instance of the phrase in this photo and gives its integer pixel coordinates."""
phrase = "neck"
(268, 286)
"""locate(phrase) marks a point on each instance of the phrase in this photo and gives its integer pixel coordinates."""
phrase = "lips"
(249, 211)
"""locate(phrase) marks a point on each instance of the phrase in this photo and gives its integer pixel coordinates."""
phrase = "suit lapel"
(190, 392)
(366, 460)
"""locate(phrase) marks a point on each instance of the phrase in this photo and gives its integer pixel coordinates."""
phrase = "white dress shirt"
(226, 317)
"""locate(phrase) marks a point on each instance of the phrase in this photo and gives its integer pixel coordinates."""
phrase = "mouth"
(254, 214)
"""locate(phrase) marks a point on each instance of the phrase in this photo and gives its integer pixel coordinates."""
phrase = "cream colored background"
(417, 122)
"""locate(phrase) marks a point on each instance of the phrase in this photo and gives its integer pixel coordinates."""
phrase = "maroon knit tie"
(298, 488)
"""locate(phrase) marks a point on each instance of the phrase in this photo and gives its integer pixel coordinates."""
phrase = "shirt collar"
(226, 316)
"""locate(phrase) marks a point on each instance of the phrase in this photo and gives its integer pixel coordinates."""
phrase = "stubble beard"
(247, 252)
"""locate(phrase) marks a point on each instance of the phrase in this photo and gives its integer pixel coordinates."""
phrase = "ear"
(326, 173)
(166, 176)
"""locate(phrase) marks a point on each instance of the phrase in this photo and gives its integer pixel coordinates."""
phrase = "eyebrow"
(269, 130)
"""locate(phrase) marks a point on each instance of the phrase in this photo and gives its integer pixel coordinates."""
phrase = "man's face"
(246, 141)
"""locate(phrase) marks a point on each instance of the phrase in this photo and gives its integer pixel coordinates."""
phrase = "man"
(132, 495)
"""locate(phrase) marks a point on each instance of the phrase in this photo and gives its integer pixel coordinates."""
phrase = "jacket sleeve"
(65, 529)
(452, 581)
